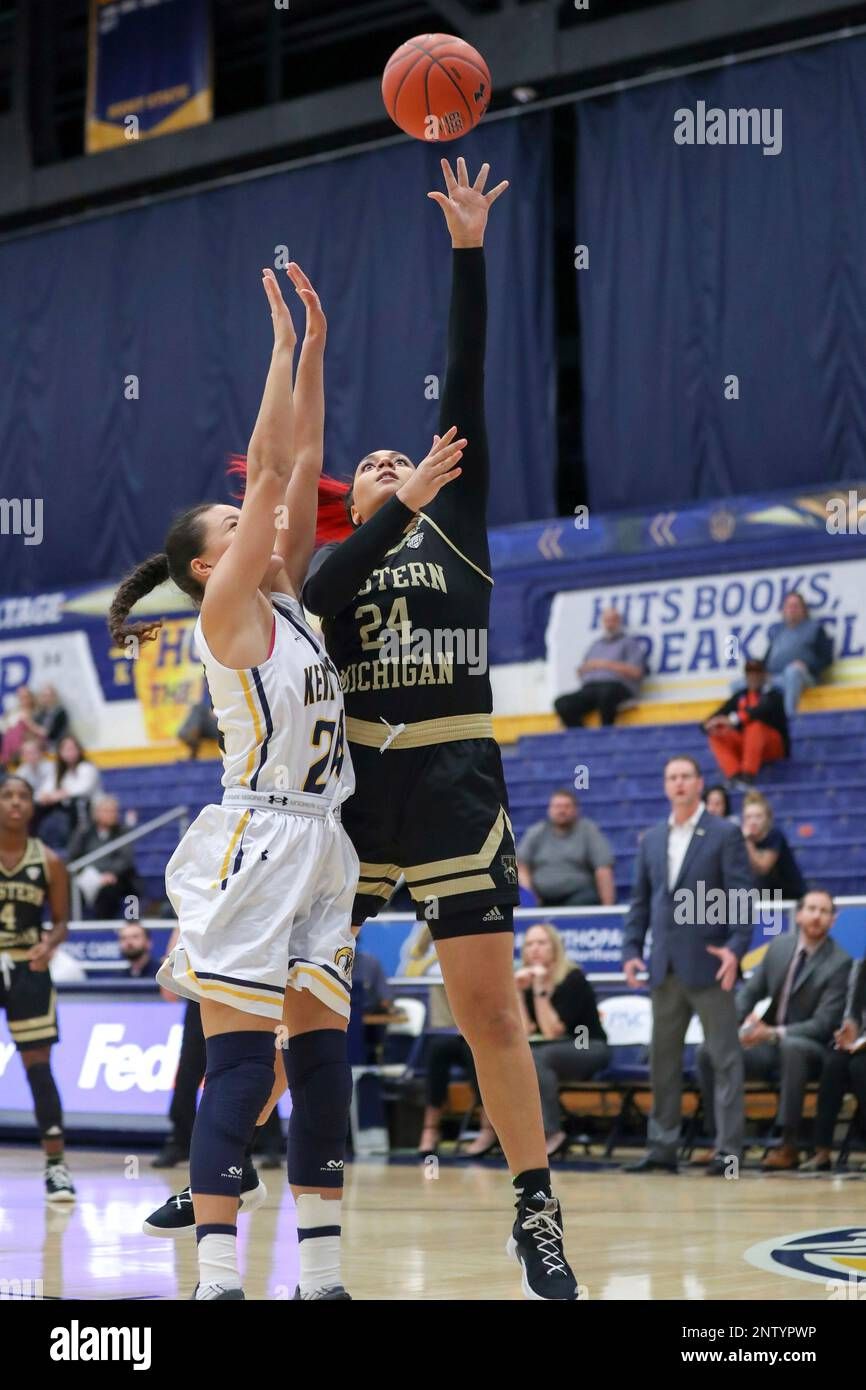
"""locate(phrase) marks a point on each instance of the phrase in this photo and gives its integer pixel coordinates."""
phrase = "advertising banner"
(698, 632)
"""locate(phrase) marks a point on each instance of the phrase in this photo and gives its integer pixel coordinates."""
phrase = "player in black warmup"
(30, 874)
(405, 604)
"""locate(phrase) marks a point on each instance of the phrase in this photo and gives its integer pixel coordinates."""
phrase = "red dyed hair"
(332, 523)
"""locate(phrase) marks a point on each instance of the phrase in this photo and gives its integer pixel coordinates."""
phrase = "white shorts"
(263, 900)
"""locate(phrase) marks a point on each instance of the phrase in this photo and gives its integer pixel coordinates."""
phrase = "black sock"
(530, 1182)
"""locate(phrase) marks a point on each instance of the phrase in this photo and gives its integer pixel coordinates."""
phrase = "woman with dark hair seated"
(65, 808)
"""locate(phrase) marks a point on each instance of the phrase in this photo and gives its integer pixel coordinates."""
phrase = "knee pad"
(46, 1098)
(238, 1082)
(320, 1082)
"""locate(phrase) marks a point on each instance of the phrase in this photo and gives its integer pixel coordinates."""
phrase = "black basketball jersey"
(412, 645)
(405, 600)
(23, 891)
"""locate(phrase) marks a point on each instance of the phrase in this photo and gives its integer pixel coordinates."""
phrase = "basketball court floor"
(412, 1236)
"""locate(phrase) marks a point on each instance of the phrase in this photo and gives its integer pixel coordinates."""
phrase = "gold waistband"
(16, 953)
(421, 734)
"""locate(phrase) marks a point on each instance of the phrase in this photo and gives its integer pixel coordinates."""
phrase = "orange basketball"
(436, 87)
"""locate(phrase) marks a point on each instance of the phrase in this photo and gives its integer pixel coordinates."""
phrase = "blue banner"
(149, 71)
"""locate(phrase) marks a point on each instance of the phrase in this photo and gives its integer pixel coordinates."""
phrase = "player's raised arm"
(296, 529)
(466, 208)
(234, 584)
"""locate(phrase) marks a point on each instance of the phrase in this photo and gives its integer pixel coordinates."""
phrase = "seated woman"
(718, 802)
(771, 857)
(19, 724)
(65, 807)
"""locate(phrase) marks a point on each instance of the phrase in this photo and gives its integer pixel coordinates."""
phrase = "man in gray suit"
(804, 973)
(693, 887)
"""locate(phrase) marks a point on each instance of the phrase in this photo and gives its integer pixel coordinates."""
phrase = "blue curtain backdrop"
(171, 294)
(712, 260)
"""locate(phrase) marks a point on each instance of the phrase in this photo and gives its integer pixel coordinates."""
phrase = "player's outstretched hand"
(284, 329)
(466, 205)
(433, 472)
(317, 324)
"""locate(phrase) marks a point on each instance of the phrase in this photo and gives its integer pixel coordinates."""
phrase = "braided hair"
(184, 542)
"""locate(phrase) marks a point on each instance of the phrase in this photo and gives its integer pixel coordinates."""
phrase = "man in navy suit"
(694, 889)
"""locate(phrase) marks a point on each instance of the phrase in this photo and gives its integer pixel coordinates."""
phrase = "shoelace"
(545, 1232)
(394, 731)
(58, 1175)
(185, 1195)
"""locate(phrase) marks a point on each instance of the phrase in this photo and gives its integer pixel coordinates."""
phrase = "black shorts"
(30, 1001)
(439, 815)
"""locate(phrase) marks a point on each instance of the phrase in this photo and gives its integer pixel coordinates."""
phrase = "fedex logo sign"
(124, 1066)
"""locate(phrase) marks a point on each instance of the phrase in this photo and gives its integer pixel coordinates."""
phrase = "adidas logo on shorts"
(494, 915)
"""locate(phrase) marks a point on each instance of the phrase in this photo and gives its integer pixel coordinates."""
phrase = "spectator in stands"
(67, 804)
(804, 974)
(612, 670)
(136, 947)
(773, 864)
(693, 963)
(718, 802)
(199, 724)
(18, 724)
(844, 1069)
(51, 715)
(110, 881)
(565, 860)
(560, 1015)
(750, 728)
(799, 651)
(35, 768)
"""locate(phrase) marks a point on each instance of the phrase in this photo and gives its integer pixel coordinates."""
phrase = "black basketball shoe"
(176, 1217)
(536, 1242)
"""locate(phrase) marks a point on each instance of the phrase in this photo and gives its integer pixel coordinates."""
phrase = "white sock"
(217, 1263)
(319, 1255)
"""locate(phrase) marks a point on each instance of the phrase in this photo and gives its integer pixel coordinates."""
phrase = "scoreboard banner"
(149, 70)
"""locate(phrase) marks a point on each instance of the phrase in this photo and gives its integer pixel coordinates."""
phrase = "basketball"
(436, 87)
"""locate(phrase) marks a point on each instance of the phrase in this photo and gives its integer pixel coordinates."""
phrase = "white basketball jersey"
(282, 722)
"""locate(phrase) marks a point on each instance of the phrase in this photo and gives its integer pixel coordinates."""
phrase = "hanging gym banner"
(149, 70)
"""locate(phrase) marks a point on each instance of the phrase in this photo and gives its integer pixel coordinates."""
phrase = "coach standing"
(693, 965)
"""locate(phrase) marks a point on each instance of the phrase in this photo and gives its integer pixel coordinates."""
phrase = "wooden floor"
(410, 1237)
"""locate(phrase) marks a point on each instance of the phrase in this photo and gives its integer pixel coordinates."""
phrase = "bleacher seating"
(819, 795)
